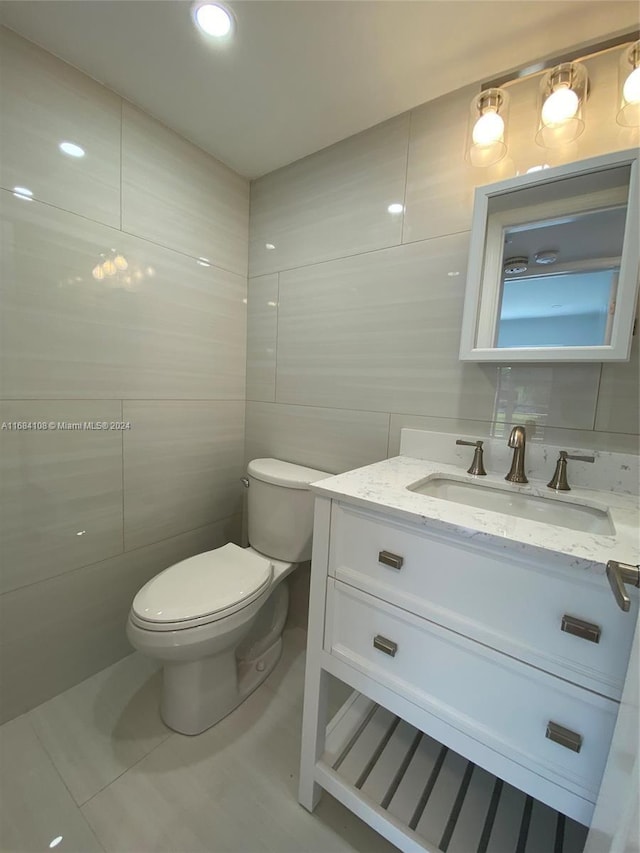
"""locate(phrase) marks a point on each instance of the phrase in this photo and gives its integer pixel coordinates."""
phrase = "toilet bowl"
(215, 620)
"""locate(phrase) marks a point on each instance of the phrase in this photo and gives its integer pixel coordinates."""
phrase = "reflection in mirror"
(560, 279)
(553, 265)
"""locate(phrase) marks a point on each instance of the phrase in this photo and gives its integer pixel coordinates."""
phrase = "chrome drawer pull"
(580, 628)
(390, 559)
(565, 737)
(384, 645)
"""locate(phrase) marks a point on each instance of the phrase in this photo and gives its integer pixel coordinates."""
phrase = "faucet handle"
(477, 466)
(578, 458)
(559, 480)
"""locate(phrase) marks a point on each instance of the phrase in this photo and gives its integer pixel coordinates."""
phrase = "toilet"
(216, 620)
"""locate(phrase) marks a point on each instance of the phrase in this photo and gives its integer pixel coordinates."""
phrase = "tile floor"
(97, 766)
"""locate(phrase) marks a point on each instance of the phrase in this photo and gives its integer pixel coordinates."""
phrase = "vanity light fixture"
(562, 97)
(213, 19)
(487, 130)
(629, 86)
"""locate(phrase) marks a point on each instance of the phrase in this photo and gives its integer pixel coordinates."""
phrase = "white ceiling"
(302, 74)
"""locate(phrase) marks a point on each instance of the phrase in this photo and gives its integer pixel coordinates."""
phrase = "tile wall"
(87, 516)
(355, 312)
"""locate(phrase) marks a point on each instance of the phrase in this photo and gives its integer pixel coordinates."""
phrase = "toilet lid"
(212, 584)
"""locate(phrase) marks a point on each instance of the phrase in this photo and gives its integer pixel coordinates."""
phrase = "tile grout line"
(122, 463)
(60, 776)
(120, 230)
(406, 178)
(275, 372)
(361, 254)
(120, 554)
(121, 135)
(167, 737)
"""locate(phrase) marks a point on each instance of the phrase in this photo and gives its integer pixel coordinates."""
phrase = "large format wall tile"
(440, 184)
(164, 327)
(177, 195)
(46, 102)
(56, 633)
(60, 489)
(262, 337)
(619, 397)
(380, 332)
(546, 395)
(333, 440)
(331, 204)
(182, 466)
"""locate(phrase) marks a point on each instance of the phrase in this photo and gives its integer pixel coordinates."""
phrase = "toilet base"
(197, 695)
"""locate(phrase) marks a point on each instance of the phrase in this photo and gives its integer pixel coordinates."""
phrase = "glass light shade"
(121, 262)
(561, 104)
(109, 267)
(629, 86)
(487, 129)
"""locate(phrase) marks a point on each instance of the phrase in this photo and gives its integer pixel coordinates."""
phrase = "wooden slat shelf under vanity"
(375, 762)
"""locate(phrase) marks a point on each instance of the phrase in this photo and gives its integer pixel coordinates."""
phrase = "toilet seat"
(202, 589)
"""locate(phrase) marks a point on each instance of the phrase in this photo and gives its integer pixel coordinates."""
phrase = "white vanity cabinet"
(513, 664)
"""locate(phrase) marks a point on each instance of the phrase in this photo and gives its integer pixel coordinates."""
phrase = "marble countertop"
(383, 487)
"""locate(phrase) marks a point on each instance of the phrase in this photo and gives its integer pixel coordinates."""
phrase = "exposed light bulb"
(631, 88)
(488, 129)
(559, 106)
(213, 20)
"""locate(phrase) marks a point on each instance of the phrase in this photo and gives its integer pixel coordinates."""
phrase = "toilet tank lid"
(284, 473)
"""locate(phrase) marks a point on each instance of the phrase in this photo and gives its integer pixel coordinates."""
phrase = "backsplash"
(355, 312)
(609, 472)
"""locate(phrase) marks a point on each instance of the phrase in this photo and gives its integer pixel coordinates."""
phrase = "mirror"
(553, 265)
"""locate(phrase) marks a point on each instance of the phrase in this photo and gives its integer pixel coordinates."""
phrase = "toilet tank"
(280, 508)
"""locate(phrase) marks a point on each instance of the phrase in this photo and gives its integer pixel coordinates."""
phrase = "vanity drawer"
(565, 622)
(501, 702)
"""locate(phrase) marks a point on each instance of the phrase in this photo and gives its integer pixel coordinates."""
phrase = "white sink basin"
(551, 510)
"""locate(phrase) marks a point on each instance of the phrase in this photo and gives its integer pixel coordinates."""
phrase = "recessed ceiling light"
(396, 207)
(269, 246)
(213, 19)
(71, 149)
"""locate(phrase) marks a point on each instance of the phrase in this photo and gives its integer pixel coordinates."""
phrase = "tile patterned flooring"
(97, 766)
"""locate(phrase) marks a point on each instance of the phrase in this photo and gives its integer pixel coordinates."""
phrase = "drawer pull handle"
(565, 737)
(384, 645)
(390, 559)
(580, 628)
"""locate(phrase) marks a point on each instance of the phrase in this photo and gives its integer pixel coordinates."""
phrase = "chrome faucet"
(517, 440)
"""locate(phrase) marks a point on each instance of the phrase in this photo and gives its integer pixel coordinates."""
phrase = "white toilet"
(215, 620)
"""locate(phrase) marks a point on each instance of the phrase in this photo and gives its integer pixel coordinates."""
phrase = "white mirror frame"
(484, 279)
